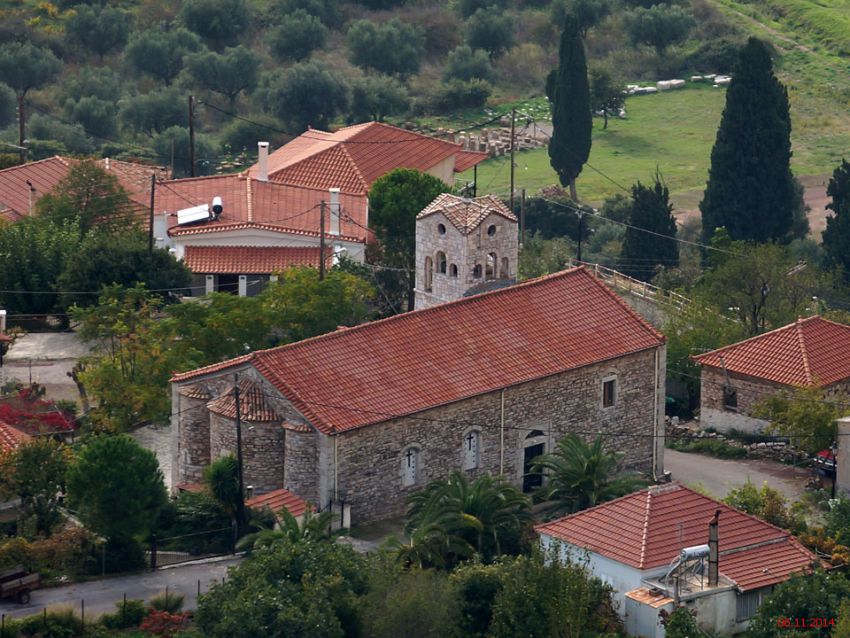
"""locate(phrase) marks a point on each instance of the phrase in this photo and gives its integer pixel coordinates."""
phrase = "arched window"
(471, 450)
(441, 262)
(429, 273)
(476, 272)
(441, 228)
(490, 272)
(491, 230)
(453, 270)
(410, 461)
(505, 272)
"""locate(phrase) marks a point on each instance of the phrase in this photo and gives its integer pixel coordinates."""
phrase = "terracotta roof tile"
(195, 392)
(254, 260)
(277, 500)
(352, 158)
(271, 228)
(648, 529)
(253, 404)
(466, 214)
(365, 374)
(45, 174)
(276, 207)
(11, 438)
(809, 352)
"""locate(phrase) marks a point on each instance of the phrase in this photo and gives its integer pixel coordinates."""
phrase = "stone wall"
(463, 251)
(194, 440)
(370, 458)
(302, 460)
(262, 450)
(750, 391)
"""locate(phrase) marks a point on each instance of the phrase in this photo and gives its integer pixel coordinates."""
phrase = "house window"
(747, 604)
(476, 272)
(453, 270)
(471, 450)
(491, 230)
(429, 273)
(410, 466)
(441, 262)
(730, 398)
(490, 272)
(609, 392)
(441, 228)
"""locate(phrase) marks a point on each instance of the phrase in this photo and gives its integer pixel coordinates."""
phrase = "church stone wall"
(302, 462)
(370, 458)
(262, 450)
(194, 440)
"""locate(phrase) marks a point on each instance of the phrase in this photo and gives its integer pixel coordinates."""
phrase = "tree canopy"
(228, 73)
(305, 95)
(99, 29)
(836, 237)
(569, 94)
(160, 51)
(219, 22)
(642, 251)
(296, 36)
(394, 47)
(25, 66)
(750, 189)
(659, 26)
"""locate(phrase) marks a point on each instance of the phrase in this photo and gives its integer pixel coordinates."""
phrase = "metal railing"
(633, 286)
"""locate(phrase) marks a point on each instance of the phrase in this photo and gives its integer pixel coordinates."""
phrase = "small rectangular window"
(730, 398)
(609, 393)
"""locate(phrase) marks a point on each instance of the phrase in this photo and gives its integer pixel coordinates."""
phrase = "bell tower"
(464, 246)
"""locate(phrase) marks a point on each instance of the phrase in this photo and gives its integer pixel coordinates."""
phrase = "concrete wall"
(370, 458)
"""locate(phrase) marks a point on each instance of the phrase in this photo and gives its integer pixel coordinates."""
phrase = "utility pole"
(475, 181)
(22, 128)
(240, 502)
(191, 136)
(580, 232)
(522, 219)
(322, 241)
(150, 221)
(513, 150)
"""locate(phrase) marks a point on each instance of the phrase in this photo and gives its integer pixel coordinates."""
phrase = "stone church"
(362, 417)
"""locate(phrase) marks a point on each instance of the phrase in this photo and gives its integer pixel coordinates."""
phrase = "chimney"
(263, 161)
(713, 551)
(334, 211)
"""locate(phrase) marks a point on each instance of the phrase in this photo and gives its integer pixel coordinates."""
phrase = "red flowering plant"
(164, 624)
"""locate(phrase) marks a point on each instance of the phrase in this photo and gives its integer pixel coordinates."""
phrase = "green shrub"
(711, 447)
(169, 601)
(455, 94)
(59, 623)
(128, 614)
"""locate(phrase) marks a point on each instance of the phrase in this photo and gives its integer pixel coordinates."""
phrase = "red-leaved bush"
(34, 415)
(164, 624)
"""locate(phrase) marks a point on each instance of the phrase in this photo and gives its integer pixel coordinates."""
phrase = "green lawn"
(672, 132)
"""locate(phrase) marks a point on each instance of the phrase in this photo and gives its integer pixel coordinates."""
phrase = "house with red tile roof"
(655, 549)
(364, 416)
(809, 352)
(11, 438)
(22, 186)
(311, 191)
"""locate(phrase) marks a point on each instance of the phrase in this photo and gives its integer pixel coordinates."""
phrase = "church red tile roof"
(277, 500)
(11, 438)
(256, 260)
(464, 213)
(411, 362)
(648, 529)
(353, 157)
(808, 352)
(254, 405)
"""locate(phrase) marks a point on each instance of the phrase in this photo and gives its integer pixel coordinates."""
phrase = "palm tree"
(312, 526)
(221, 478)
(452, 519)
(581, 475)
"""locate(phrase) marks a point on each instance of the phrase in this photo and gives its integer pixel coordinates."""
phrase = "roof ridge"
(384, 125)
(645, 535)
(33, 163)
(801, 340)
(356, 168)
(213, 367)
(747, 340)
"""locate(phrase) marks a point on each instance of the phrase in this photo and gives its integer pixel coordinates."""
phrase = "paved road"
(718, 476)
(100, 596)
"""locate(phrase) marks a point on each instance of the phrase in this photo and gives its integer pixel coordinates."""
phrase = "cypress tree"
(836, 237)
(750, 189)
(641, 251)
(569, 93)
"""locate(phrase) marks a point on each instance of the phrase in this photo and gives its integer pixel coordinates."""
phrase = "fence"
(633, 286)
(188, 547)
